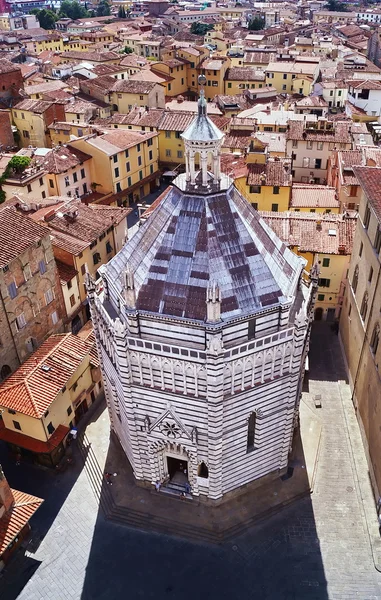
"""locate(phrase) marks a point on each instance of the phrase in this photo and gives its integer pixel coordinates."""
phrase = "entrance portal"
(177, 469)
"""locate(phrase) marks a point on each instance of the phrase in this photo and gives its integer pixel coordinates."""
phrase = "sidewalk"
(143, 508)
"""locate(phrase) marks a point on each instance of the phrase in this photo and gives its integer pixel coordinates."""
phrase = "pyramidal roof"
(202, 129)
(192, 240)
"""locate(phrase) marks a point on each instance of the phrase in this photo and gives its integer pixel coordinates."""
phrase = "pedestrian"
(157, 486)
(108, 478)
(18, 459)
(187, 488)
(379, 504)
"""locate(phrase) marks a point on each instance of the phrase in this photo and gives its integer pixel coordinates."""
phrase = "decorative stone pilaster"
(127, 408)
(215, 393)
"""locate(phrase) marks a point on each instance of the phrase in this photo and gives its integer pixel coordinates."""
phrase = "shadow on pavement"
(51, 485)
(266, 555)
(325, 354)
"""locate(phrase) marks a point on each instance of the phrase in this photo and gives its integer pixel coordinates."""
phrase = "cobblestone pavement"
(318, 548)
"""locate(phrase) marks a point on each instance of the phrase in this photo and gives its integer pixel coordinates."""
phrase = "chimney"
(6, 497)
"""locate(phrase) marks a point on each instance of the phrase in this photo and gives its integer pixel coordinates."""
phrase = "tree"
(73, 10)
(256, 24)
(17, 164)
(121, 12)
(336, 6)
(201, 28)
(103, 9)
(46, 18)
(126, 50)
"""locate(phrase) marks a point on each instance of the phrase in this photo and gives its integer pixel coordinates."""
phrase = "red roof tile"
(18, 232)
(370, 181)
(32, 388)
(12, 522)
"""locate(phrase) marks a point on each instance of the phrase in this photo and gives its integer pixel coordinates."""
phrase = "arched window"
(355, 279)
(251, 431)
(364, 306)
(203, 470)
(375, 339)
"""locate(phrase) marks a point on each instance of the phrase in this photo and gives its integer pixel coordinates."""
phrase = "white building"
(202, 325)
(366, 95)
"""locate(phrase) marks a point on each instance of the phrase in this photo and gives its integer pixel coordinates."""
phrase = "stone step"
(175, 491)
(149, 522)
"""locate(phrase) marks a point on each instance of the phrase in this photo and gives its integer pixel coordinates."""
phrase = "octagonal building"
(202, 324)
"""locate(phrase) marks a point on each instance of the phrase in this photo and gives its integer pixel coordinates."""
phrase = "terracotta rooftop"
(35, 106)
(34, 386)
(274, 172)
(244, 74)
(313, 196)
(91, 56)
(138, 116)
(340, 133)
(75, 234)
(12, 522)
(116, 140)
(6, 66)
(65, 272)
(314, 232)
(370, 180)
(367, 84)
(133, 87)
(18, 232)
(62, 158)
(47, 86)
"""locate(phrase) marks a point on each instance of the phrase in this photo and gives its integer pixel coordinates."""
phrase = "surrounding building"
(360, 318)
(47, 396)
(31, 308)
(310, 144)
(325, 240)
(197, 389)
(16, 510)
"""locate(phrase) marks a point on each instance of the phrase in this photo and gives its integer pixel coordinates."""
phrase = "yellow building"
(267, 186)
(32, 118)
(51, 41)
(281, 75)
(71, 296)
(62, 132)
(123, 161)
(325, 239)
(31, 183)
(78, 45)
(194, 55)
(123, 95)
(216, 39)
(175, 72)
(238, 79)
(360, 323)
(47, 396)
(214, 70)
(314, 198)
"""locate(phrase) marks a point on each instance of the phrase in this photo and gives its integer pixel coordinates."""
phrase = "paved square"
(318, 548)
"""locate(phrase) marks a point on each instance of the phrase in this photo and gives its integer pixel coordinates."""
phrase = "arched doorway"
(318, 313)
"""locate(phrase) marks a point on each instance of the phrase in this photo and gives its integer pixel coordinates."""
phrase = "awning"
(29, 443)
